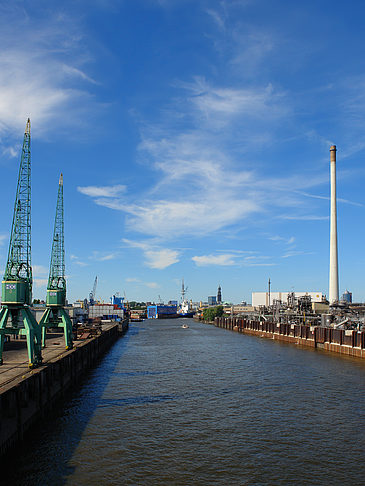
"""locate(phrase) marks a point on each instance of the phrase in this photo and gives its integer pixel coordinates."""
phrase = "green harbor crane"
(15, 316)
(55, 314)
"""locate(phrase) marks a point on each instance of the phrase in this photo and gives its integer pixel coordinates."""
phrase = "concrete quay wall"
(27, 399)
(350, 343)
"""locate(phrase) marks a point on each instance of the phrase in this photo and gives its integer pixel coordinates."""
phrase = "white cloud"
(257, 261)
(39, 275)
(296, 253)
(229, 259)
(102, 257)
(72, 71)
(155, 257)
(39, 270)
(327, 198)
(3, 238)
(110, 256)
(40, 282)
(259, 264)
(288, 241)
(217, 18)
(206, 185)
(102, 191)
(42, 73)
(223, 260)
(11, 151)
(75, 259)
(226, 103)
(152, 285)
(161, 258)
(308, 217)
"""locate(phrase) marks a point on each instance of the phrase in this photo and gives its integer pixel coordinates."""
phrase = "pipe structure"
(333, 280)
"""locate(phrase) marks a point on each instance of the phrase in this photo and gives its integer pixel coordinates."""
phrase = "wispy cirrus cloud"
(218, 191)
(43, 73)
(103, 257)
(306, 217)
(155, 256)
(39, 270)
(152, 285)
(327, 198)
(294, 253)
(221, 104)
(222, 260)
(288, 241)
(230, 259)
(3, 238)
(102, 191)
(199, 142)
(40, 275)
(40, 282)
(76, 260)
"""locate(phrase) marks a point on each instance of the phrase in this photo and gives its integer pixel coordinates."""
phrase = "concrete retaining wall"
(351, 343)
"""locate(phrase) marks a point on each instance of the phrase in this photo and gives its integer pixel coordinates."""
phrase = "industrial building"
(266, 299)
(347, 297)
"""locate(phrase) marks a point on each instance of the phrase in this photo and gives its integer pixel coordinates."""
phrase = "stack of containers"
(105, 311)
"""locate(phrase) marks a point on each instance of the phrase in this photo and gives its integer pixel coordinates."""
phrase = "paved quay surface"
(15, 355)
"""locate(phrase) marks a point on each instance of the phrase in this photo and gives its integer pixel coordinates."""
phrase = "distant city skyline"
(193, 137)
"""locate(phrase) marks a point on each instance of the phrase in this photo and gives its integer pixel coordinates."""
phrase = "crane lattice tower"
(15, 316)
(55, 314)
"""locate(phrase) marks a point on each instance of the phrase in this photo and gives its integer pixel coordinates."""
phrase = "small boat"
(185, 326)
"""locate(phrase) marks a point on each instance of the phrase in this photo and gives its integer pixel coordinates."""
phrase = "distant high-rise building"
(347, 297)
(219, 295)
(212, 300)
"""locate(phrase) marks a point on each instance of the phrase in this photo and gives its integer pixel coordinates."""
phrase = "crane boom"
(56, 280)
(18, 265)
(92, 295)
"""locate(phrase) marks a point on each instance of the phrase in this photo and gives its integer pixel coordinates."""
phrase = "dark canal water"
(204, 406)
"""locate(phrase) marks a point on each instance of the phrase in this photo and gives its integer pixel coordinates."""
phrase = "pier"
(26, 396)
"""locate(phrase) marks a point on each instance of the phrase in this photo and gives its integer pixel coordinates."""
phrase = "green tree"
(211, 313)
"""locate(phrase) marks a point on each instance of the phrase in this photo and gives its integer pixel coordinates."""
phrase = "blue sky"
(194, 141)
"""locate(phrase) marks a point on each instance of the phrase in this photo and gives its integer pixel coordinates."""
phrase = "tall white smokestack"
(333, 284)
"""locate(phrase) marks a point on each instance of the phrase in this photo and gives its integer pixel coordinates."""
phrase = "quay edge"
(345, 342)
(29, 398)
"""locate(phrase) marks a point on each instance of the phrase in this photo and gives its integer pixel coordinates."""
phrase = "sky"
(193, 137)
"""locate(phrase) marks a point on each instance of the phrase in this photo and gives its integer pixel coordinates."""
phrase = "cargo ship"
(184, 308)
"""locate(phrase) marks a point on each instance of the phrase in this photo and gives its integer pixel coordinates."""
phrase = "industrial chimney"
(333, 283)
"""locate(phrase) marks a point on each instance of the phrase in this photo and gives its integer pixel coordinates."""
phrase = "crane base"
(31, 330)
(57, 317)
